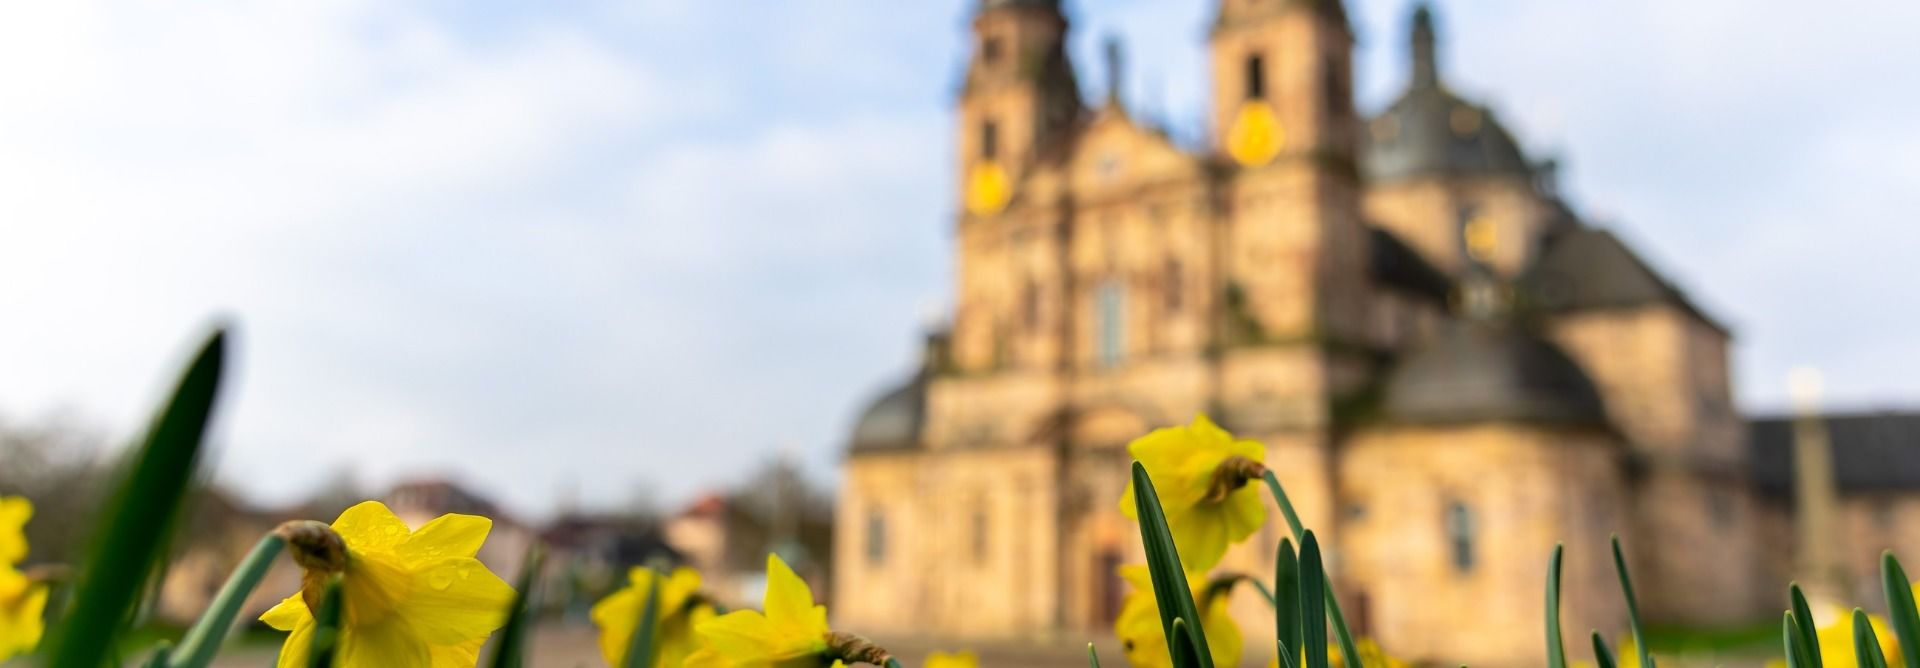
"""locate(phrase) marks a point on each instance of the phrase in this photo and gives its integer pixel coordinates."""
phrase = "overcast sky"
(585, 249)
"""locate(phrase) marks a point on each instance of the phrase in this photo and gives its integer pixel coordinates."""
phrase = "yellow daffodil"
(14, 513)
(954, 660)
(792, 632)
(23, 601)
(1836, 640)
(618, 616)
(1200, 473)
(412, 599)
(1144, 639)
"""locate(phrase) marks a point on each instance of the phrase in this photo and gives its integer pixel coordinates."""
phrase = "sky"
(588, 252)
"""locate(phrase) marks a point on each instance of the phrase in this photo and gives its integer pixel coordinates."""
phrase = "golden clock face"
(1256, 137)
(987, 189)
(1482, 238)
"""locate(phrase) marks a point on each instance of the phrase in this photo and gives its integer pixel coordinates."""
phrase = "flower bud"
(314, 546)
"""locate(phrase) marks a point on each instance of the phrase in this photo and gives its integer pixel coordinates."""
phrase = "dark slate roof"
(1871, 451)
(1398, 266)
(1582, 267)
(893, 422)
(1431, 131)
(1415, 136)
(996, 4)
(1490, 372)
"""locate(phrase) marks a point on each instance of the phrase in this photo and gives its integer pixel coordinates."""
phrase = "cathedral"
(1451, 368)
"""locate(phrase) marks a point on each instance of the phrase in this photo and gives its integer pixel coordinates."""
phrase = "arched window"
(1460, 536)
(876, 538)
(989, 140)
(1110, 306)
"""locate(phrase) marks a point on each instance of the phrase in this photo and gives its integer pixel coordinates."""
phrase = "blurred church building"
(1452, 369)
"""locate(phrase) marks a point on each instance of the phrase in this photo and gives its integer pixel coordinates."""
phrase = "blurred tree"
(779, 510)
(55, 462)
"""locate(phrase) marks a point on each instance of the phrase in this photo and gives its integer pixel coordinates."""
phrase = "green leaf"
(1803, 624)
(127, 542)
(1163, 562)
(202, 642)
(510, 651)
(1866, 646)
(1901, 612)
(1798, 651)
(325, 644)
(1602, 657)
(640, 650)
(1633, 606)
(1313, 615)
(1556, 649)
(1093, 658)
(1184, 645)
(1339, 619)
(1283, 653)
(1286, 594)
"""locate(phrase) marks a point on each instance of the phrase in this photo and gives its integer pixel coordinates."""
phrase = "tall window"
(876, 538)
(1256, 77)
(1335, 84)
(1110, 305)
(1460, 536)
(980, 535)
(989, 140)
(1171, 283)
(990, 50)
(1030, 304)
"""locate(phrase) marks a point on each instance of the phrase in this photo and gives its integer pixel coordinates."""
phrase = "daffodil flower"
(955, 660)
(1836, 640)
(14, 513)
(1144, 639)
(1201, 472)
(618, 616)
(23, 601)
(791, 633)
(412, 599)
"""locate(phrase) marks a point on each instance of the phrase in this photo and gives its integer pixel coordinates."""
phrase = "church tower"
(1019, 94)
(1284, 117)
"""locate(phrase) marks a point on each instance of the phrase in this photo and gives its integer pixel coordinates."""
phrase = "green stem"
(895, 663)
(1339, 619)
(201, 642)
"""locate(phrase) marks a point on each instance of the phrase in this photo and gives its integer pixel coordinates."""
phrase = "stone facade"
(1331, 285)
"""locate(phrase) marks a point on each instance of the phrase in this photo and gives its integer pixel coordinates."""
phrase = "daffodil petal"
(449, 535)
(618, 616)
(391, 644)
(14, 513)
(369, 527)
(456, 601)
(739, 635)
(288, 615)
(789, 603)
(293, 652)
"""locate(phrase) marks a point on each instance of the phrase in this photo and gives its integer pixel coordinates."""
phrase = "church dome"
(1491, 372)
(1429, 130)
(893, 422)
